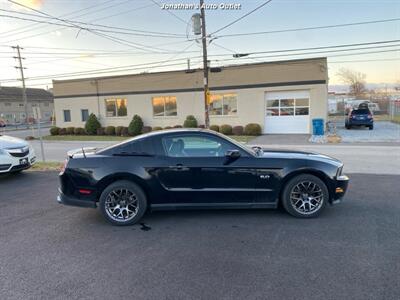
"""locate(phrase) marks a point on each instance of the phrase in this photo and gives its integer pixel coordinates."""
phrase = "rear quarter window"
(360, 112)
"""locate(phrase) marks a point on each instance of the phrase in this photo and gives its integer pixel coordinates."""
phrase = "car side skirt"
(242, 205)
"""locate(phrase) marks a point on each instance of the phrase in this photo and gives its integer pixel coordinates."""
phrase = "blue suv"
(360, 117)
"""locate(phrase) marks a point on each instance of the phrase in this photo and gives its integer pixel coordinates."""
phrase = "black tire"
(371, 127)
(348, 126)
(140, 200)
(292, 184)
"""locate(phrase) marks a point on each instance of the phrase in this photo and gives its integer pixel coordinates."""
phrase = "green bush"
(178, 126)
(62, 131)
(168, 127)
(226, 129)
(238, 130)
(54, 130)
(92, 124)
(110, 130)
(136, 126)
(70, 130)
(156, 128)
(124, 131)
(79, 131)
(190, 122)
(101, 131)
(214, 128)
(252, 129)
(118, 130)
(146, 129)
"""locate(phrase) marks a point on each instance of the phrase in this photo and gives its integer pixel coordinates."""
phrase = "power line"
(170, 12)
(308, 28)
(117, 40)
(136, 31)
(242, 17)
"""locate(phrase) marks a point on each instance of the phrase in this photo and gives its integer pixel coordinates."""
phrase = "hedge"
(118, 130)
(190, 122)
(146, 129)
(156, 128)
(70, 130)
(226, 129)
(79, 131)
(238, 130)
(101, 131)
(62, 131)
(54, 130)
(214, 128)
(110, 130)
(252, 129)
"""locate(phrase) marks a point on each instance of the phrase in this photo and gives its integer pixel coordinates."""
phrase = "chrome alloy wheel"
(306, 197)
(121, 205)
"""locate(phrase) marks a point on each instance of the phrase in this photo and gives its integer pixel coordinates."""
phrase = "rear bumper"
(361, 122)
(342, 183)
(67, 200)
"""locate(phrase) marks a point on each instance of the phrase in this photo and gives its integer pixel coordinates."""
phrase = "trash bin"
(318, 126)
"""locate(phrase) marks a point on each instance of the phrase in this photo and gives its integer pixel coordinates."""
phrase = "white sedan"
(15, 154)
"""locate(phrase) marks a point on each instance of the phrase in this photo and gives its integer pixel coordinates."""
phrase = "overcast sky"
(82, 51)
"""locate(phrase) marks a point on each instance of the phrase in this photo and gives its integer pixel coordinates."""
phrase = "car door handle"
(177, 167)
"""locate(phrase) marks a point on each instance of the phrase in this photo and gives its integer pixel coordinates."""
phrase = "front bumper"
(342, 183)
(11, 164)
(67, 200)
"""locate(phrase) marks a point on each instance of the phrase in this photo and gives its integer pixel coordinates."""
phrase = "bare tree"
(355, 80)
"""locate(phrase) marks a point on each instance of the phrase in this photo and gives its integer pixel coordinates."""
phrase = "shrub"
(226, 129)
(238, 130)
(118, 130)
(156, 128)
(252, 129)
(54, 130)
(214, 128)
(190, 122)
(110, 130)
(92, 124)
(101, 131)
(79, 131)
(70, 130)
(124, 131)
(136, 126)
(62, 131)
(167, 127)
(202, 126)
(178, 126)
(146, 129)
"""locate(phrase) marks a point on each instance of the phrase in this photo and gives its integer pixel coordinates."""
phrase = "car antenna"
(83, 151)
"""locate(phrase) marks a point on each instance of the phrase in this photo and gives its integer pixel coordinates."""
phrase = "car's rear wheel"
(305, 196)
(123, 203)
(348, 126)
(371, 127)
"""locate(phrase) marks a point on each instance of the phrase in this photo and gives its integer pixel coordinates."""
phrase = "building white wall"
(250, 107)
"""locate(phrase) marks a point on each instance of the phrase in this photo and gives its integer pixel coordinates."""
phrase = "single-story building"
(12, 106)
(283, 96)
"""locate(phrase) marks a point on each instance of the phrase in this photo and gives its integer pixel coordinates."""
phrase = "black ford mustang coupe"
(197, 168)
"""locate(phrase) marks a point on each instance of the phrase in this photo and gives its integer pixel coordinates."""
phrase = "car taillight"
(369, 116)
(353, 116)
(85, 191)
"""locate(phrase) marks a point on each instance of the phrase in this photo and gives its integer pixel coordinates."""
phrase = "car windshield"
(360, 112)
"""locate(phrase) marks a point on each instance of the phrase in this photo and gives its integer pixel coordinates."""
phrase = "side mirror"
(232, 155)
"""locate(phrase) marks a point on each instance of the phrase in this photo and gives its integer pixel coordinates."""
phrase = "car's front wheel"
(305, 196)
(123, 203)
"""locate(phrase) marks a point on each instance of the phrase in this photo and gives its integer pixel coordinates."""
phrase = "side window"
(195, 146)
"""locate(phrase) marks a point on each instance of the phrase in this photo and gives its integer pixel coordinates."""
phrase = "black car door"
(197, 172)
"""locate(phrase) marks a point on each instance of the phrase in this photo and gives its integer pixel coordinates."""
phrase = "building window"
(288, 107)
(34, 105)
(223, 104)
(164, 106)
(67, 115)
(84, 114)
(21, 105)
(116, 108)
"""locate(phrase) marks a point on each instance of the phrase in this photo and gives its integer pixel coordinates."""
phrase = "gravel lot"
(51, 251)
(383, 132)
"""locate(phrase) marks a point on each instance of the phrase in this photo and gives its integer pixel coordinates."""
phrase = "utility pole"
(205, 64)
(23, 81)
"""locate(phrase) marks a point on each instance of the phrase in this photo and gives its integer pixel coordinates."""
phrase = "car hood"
(7, 142)
(293, 154)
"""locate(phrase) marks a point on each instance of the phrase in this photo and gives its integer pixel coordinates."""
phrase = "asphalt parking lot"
(49, 251)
